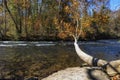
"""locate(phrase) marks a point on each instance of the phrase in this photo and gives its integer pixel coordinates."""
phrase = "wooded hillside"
(43, 19)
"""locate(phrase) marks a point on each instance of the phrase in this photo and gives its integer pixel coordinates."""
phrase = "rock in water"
(77, 73)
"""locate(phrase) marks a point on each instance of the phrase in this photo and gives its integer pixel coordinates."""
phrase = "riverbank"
(56, 38)
(40, 59)
(79, 73)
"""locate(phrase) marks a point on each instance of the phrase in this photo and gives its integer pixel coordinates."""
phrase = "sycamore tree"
(70, 21)
(68, 18)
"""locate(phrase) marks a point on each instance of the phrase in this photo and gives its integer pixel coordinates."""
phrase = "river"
(40, 59)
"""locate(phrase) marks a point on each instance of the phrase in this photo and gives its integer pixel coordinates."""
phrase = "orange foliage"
(37, 24)
(62, 35)
(66, 26)
(22, 3)
(101, 19)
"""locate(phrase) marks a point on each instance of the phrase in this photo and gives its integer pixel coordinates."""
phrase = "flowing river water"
(22, 59)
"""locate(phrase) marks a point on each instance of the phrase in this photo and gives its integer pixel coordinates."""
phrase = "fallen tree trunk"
(112, 68)
(100, 70)
(87, 58)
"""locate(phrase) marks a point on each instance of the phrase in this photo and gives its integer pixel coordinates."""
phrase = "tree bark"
(112, 68)
(87, 58)
(11, 15)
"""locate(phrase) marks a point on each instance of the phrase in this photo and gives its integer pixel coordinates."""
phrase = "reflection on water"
(21, 60)
(28, 61)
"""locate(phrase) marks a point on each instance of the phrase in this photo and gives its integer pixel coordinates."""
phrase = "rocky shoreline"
(79, 73)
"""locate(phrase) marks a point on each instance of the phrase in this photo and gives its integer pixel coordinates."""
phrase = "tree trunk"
(87, 58)
(112, 68)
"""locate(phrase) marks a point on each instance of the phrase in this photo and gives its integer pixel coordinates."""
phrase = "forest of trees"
(44, 19)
